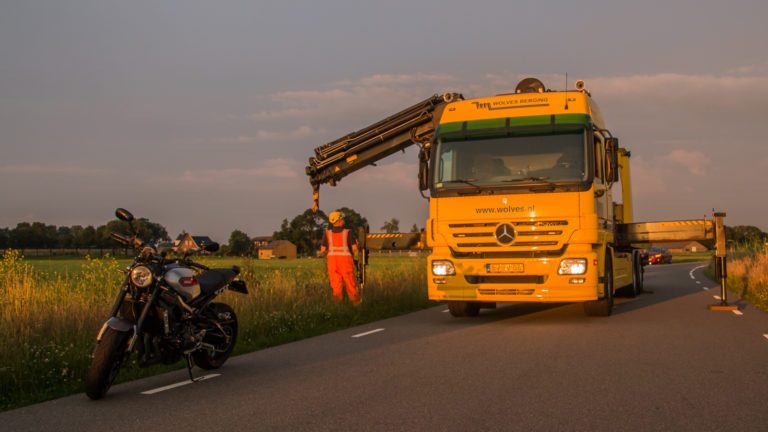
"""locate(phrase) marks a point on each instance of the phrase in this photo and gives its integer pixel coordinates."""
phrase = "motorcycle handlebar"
(121, 238)
(196, 265)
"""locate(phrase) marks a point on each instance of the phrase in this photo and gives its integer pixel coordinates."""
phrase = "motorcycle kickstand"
(189, 369)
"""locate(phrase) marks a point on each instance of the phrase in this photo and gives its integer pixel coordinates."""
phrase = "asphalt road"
(661, 362)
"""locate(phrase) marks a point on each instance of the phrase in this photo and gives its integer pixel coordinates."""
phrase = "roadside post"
(361, 263)
(721, 271)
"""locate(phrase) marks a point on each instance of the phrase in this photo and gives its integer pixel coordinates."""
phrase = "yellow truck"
(521, 197)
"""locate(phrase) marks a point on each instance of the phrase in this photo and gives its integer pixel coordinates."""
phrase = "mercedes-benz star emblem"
(505, 234)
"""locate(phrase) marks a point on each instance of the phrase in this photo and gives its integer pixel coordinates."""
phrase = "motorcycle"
(164, 311)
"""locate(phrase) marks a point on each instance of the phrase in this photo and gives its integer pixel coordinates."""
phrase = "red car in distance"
(657, 255)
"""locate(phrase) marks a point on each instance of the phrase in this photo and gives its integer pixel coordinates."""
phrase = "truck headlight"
(572, 266)
(141, 276)
(443, 268)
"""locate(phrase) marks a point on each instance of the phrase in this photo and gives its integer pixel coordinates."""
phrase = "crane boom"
(413, 125)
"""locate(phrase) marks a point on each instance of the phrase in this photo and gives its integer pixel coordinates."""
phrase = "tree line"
(37, 235)
(745, 234)
(305, 230)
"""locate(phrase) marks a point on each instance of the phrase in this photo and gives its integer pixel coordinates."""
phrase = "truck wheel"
(632, 290)
(463, 309)
(603, 306)
(637, 275)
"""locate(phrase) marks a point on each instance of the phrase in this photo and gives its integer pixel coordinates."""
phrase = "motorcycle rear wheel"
(108, 357)
(208, 360)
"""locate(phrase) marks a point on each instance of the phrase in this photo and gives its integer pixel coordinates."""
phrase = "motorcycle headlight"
(141, 276)
(443, 268)
(572, 266)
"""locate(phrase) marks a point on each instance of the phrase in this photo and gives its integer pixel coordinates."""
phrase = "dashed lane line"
(179, 384)
(717, 297)
(698, 282)
(367, 333)
(765, 335)
(738, 312)
(705, 288)
(447, 310)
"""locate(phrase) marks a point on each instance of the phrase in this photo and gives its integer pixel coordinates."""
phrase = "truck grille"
(504, 291)
(510, 254)
(481, 234)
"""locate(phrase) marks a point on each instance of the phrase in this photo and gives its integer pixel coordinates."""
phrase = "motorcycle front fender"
(117, 324)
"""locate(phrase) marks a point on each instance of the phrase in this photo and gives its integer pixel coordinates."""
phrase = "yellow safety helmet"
(335, 217)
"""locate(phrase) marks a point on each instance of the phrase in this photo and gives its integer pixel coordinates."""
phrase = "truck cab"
(521, 203)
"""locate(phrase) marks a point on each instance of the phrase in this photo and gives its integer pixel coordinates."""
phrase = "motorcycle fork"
(142, 318)
(119, 299)
(115, 308)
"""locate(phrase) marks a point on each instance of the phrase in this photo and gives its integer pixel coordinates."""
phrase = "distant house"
(187, 242)
(282, 249)
(683, 246)
(261, 241)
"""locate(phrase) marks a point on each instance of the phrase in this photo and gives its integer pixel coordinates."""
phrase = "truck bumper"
(537, 281)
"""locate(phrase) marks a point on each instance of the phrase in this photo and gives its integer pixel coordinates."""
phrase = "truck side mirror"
(423, 169)
(612, 159)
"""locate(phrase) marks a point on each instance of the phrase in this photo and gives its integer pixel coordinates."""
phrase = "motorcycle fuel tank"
(183, 281)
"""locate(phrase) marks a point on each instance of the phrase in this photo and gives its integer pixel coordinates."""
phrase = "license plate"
(505, 268)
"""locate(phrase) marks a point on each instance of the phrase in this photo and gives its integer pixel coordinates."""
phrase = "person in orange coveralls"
(340, 245)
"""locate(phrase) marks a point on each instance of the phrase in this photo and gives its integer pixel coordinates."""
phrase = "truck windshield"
(511, 161)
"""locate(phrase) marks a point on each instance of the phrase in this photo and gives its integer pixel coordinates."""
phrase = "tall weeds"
(748, 275)
(49, 320)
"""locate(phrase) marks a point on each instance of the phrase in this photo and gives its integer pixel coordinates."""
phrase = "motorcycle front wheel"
(225, 316)
(108, 357)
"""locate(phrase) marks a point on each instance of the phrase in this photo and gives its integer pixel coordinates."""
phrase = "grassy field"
(51, 310)
(691, 256)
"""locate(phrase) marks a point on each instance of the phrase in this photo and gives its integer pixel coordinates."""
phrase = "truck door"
(603, 195)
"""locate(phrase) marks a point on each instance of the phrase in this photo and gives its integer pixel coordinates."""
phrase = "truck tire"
(637, 274)
(633, 289)
(604, 306)
(463, 309)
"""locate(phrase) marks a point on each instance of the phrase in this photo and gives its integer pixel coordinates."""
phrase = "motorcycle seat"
(214, 279)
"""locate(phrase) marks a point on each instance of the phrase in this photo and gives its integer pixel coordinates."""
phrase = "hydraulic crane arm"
(414, 125)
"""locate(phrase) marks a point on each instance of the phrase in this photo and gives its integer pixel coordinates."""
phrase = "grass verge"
(747, 274)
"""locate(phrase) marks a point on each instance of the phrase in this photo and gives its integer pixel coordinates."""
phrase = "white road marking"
(765, 335)
(183, 383)
(690, 273)
(367, 333)
(717, 297)
(737, 312)
(698, 282)
(705, 288)
(447, 310)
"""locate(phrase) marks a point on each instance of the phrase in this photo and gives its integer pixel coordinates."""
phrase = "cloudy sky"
(201, 115)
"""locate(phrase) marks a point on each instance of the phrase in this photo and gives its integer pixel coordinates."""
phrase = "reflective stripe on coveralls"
(340, 248)
(341, 267)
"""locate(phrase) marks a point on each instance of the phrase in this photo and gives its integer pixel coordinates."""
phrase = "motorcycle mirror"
(211, 247)
(124, 215)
